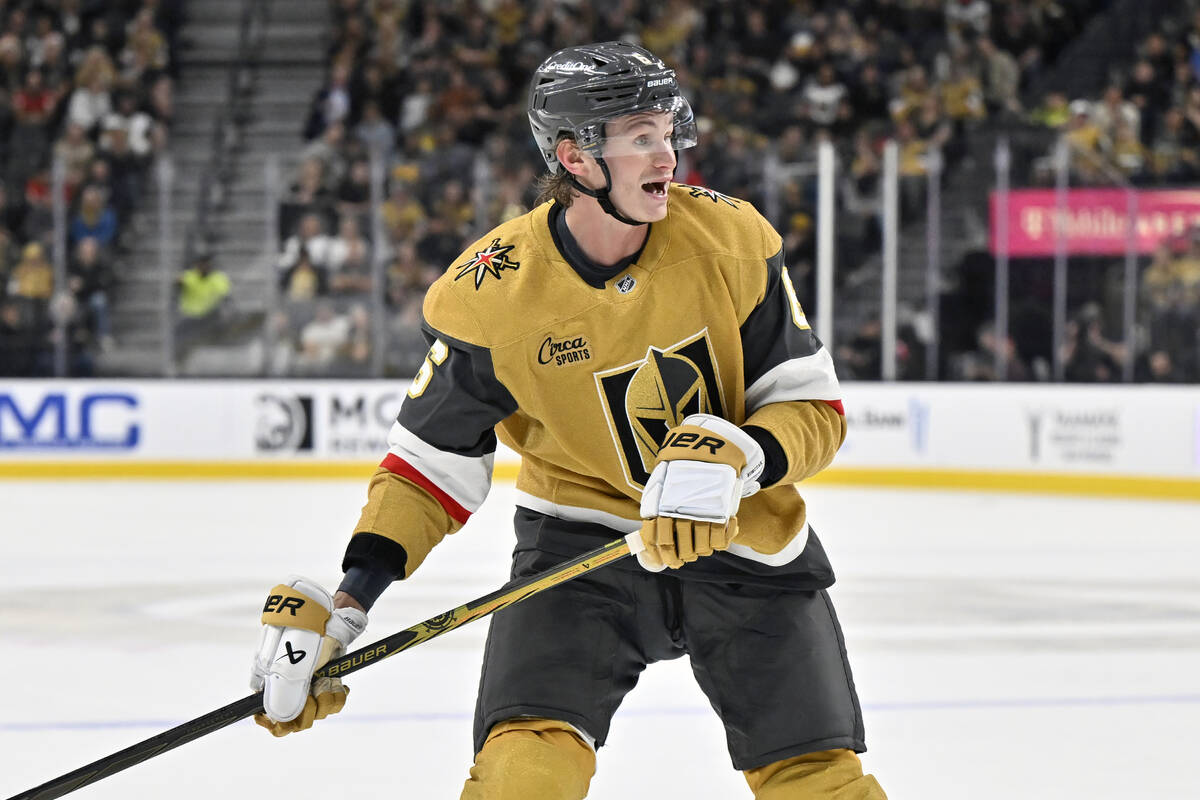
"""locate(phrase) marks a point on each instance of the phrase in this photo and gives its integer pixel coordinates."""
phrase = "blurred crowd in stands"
(1145, 127)
(1142, 131)
(434, 93)
(416, 143)
(86, 84)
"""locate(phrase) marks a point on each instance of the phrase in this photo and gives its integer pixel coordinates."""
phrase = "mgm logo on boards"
(283, 423)
(341, 421)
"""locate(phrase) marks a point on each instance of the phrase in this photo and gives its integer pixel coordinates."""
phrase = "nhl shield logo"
(626, 284)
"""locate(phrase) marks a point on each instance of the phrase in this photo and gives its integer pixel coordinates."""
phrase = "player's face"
(641, 160)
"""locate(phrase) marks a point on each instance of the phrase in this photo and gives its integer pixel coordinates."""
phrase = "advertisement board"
(913, 434)
(1096, 221)
(1085, 429)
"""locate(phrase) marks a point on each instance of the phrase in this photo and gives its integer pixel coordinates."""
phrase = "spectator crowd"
(416, 142)
(434, 93)
(87, 86)
(1141, 131)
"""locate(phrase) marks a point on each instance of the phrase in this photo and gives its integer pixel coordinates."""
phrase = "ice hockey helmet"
(576, 90)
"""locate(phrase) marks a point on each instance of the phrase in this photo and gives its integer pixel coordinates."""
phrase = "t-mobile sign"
(1096, 221)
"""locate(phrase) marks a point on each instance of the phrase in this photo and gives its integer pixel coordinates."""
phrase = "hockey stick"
(351, 662)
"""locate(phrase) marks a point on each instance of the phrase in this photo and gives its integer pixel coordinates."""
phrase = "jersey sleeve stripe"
(577, 514)
(463, 480)
(788, 554)
(836, 405)
(806, 378)
(395, 464)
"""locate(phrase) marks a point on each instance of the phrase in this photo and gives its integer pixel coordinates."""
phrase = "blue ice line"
(435, 716)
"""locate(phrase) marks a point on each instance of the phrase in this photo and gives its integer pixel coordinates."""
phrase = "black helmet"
(576, 90)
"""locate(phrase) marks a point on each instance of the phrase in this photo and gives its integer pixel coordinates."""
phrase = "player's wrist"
(775, 463)
(342, 599)
(364, 583)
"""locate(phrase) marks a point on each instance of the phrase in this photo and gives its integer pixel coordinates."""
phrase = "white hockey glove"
(706, 465)
(301, 631)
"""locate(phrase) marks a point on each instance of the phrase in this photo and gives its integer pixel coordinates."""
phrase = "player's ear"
(571, 156)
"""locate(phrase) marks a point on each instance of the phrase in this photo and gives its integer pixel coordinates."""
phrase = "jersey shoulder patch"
(500, 286)
(703, 192)
(487, 262)
(728, 234)
(731, 223)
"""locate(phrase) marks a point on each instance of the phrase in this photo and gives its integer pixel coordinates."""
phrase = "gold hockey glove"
(704, 468)
(301, 632)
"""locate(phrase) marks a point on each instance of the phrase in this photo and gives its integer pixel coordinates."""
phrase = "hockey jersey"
(584, 380)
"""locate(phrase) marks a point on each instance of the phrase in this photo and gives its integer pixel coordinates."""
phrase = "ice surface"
(1003, 646)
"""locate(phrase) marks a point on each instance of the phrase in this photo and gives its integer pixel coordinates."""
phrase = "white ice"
(1003, 646)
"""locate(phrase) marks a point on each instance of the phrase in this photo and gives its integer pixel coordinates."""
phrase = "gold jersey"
(583, 377)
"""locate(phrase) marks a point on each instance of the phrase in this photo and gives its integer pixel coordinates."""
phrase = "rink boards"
(1139, 441)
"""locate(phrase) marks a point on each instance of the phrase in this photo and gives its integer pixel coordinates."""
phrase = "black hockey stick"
(351, 662)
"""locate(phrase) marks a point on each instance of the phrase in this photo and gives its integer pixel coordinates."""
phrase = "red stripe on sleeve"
(836, 405)
(396, 465)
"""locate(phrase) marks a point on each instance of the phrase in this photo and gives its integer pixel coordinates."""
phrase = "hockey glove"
(704, 468)
(301, 631)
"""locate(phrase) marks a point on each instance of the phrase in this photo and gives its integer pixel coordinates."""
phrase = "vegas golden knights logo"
(647, 398)
(442, 622)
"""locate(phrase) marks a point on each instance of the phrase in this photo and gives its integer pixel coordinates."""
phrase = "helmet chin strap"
(602, 196)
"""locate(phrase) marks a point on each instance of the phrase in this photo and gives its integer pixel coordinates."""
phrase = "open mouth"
(655, 188)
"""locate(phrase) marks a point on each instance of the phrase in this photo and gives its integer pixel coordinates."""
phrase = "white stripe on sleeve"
(577, 513)
(807, 378)
(467, 479)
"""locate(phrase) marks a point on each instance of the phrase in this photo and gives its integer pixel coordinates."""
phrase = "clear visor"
(664, 125)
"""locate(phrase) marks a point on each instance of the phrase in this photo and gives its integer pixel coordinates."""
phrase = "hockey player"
(640, 344)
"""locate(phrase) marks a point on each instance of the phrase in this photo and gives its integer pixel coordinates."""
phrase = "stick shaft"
(503, 597)
(513, 592)
(145, 750)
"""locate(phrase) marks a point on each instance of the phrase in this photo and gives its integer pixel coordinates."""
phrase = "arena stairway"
(290, 67)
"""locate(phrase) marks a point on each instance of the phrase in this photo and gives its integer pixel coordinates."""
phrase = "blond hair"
(556, 186)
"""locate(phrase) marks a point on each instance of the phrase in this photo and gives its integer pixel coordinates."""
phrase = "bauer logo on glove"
(278, 603)
(693, 440)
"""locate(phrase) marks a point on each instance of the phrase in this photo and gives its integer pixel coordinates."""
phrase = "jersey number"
(797, 312)
(437, 354)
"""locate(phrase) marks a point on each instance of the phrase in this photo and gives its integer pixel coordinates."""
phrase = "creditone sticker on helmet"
(489, 261)
(571, 67)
